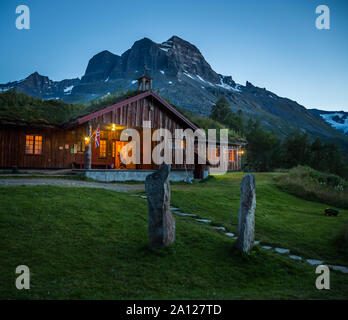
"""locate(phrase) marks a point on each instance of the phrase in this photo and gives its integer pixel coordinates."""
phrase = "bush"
(314, 185)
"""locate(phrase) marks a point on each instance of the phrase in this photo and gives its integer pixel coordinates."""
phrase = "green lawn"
(92, 244)
(281, 219)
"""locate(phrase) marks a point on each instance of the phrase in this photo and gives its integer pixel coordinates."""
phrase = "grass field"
(92, 244)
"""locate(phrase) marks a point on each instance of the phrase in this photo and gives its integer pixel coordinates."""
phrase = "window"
(33, 144)
(181, 144)
(213, 154)
(102, 149)
(231, 155)
(81, 146)
(113, 149)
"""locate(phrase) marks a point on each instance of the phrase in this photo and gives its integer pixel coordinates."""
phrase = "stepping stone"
(203, 220)
(266, 247)
(281, 250)
(339, 268)
(219, 228)
(295, 257)
(256, 242)
(229, 234)
(144, 197)
(174, 209)
(182, 214)
(314, 262)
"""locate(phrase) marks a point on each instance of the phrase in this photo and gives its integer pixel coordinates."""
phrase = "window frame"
(231, 155)
(37, 140)
(103, 155)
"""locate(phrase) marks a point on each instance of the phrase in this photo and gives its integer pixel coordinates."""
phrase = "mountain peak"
(34, 75)
(177, 41)
(175, 38)
(143, 42)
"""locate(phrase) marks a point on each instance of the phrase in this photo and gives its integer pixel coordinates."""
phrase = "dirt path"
(71, 183)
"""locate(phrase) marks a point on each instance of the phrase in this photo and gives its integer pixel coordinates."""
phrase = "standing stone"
(246, 223)
(161, 221)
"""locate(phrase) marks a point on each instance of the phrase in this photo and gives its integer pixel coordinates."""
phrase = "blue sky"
(273, 44)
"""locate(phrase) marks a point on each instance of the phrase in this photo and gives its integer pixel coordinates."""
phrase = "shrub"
(314, 185)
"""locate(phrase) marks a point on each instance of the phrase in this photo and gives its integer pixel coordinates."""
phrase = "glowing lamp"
(87, 141)
(241, 152)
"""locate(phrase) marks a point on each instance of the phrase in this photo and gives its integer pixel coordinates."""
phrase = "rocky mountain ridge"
(181, 75)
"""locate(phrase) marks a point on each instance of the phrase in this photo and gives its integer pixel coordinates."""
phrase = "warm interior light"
(241, 152)
(113, 127)
(86, 140)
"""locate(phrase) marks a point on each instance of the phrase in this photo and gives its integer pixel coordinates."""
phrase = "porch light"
(241, 152)
(113, 127)
(87, 141)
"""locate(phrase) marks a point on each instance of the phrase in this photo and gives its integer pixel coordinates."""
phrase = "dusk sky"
(272, 44)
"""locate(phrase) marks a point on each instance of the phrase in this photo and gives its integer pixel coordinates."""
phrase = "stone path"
(71, 183)
(282, 251)
(135, 188)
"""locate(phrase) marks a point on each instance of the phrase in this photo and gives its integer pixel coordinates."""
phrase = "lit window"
(102, 149)
(33, 144)
(231, 155)
(183, 144)
(213, 154)
(114, 149)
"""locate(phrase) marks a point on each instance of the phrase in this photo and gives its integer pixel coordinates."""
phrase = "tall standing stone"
(161, 221)
(246, 223)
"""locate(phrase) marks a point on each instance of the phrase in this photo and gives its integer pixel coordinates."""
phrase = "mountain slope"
(336, 119)
(40, 86)
(182, 75)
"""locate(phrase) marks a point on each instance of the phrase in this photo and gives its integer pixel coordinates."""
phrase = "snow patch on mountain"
(3, 89)
(228, 87)
(337, 120)
(67, 90)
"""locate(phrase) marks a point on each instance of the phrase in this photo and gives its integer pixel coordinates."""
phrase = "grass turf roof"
(20, 108)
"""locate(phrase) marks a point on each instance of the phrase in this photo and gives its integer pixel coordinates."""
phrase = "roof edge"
(120, 104)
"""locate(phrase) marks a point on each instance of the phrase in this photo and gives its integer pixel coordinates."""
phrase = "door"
(118, 150)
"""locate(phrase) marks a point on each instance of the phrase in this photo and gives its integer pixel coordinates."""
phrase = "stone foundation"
(113, 175)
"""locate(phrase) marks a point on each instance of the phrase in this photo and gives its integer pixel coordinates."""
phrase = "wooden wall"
(12, 138)
(133, 114)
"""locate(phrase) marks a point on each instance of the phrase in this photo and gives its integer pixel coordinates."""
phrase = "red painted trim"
(176, 112)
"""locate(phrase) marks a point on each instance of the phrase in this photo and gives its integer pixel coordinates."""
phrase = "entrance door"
(118, 150)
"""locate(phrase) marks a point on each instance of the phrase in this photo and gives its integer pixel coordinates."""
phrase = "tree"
(262, 146)
(221, 110)
(295, 150)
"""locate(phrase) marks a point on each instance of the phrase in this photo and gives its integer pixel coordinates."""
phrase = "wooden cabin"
(69, 146)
